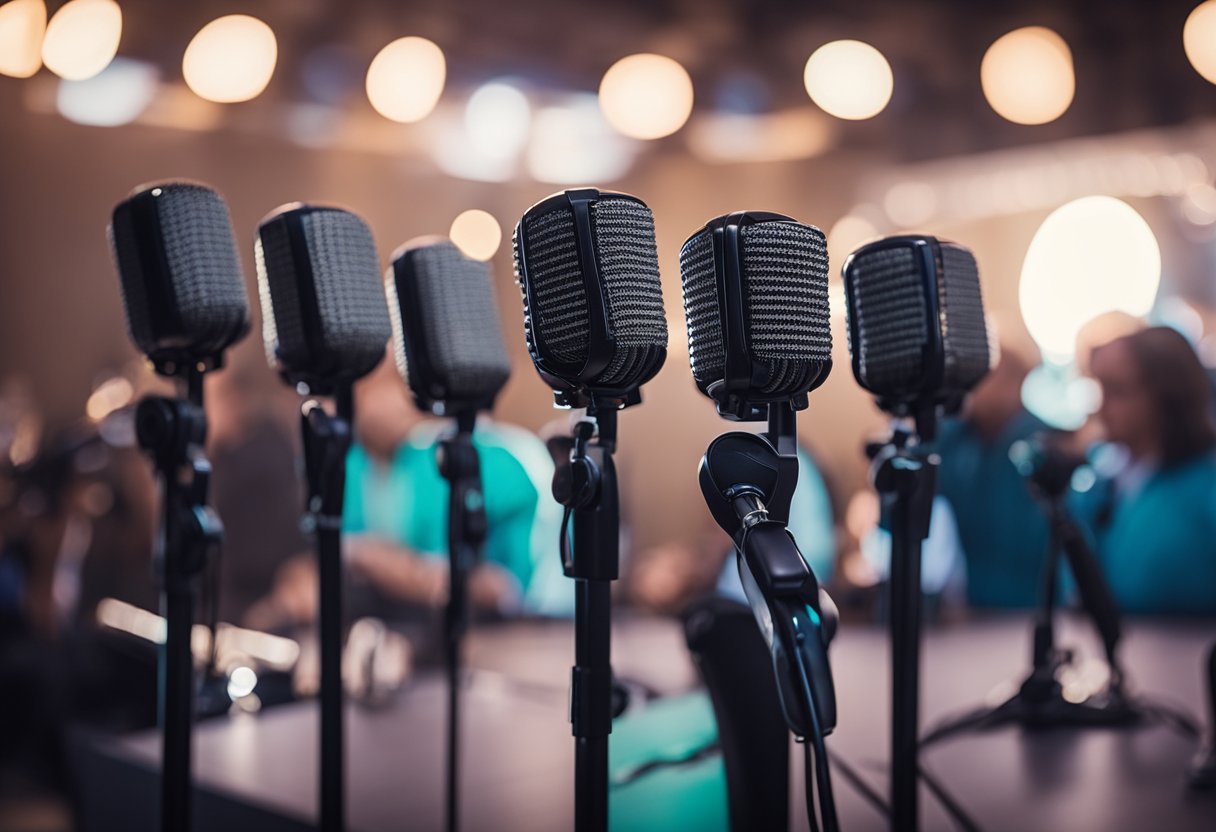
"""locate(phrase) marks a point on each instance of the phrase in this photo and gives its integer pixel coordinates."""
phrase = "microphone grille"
(787, 321)
(887, 299)
(454, 322)
(964, 329)
(325, 315)
(894, 331)
(557, 324)
(180, 275)
(558, 294)
(786, 268)
(698, 277)
(628, 263)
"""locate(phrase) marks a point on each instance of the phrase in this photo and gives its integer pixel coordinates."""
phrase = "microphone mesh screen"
(560, 301)
(706, 344)
(628, 265)
(459, 325)
(964, 330)
(786, 268)
(352, 323)
(208, 306)
(887, 297)
(628, 262)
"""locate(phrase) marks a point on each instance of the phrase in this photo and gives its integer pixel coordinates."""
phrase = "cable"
(822, 772)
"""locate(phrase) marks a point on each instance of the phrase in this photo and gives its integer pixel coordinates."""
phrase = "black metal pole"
(592, 659)
(326, 441)
(905, 669)
(588, 488)
(176, 680)
(333, 787)
(459, 465)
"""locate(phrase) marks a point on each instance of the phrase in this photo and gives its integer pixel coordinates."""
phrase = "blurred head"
(1156, 397)
(384, 411)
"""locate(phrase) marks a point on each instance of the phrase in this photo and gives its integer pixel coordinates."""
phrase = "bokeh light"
(82, 38)
(849, 79)
(646, 96)
(1027, 76)
(406, 78)
(22, 27)
(573, 144)
(117, 95)
(231, 59)
(476, 233)
(497, 118)
(1091, 256)
(1199, 39)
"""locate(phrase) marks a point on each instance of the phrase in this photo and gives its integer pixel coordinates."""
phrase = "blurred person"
(395, 520)
(255, 489)
(1152, 512)
(667, 577)
(1002, 531)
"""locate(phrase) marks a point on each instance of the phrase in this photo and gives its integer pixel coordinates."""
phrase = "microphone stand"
(587, 487)
(905, 477)
(1039, 701)
(748, 482)
(460, 466)
(172, 432)
(327, 439)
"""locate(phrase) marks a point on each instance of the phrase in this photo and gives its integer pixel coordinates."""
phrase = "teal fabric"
(691, 796)
(1002, 530)
(1158, 545)
(406, 502)
(811, 524)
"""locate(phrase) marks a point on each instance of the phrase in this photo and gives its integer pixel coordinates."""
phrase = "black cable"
(809, 785)
(822, 772)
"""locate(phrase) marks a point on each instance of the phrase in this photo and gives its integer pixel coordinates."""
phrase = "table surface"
(518, 753)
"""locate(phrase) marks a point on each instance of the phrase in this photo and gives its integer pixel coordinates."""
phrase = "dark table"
(259, 772)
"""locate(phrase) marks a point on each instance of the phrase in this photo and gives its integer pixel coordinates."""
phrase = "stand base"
(1040, 704)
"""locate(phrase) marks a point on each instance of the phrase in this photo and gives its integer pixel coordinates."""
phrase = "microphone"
(325, 320)
(325, 323)
(755, 289)
(446, 334)
(917, 334)
(185, 303)
(588, 270)
(181, 280)
(449, 349)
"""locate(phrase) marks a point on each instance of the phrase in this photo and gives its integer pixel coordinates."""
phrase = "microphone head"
(181, 280)
(324, 317)
(755, 289)
(917, 333)
(588, 270)
(446, 333)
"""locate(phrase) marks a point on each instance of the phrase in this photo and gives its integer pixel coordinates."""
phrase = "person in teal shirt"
(395, 516)
(1003, 531)
(1152, 511)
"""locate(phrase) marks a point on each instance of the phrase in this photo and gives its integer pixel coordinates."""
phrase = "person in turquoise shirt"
(395, 516)
(1152, 511)
(1003, 531)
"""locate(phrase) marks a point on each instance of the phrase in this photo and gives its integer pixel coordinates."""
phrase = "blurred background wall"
(1139, 126)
